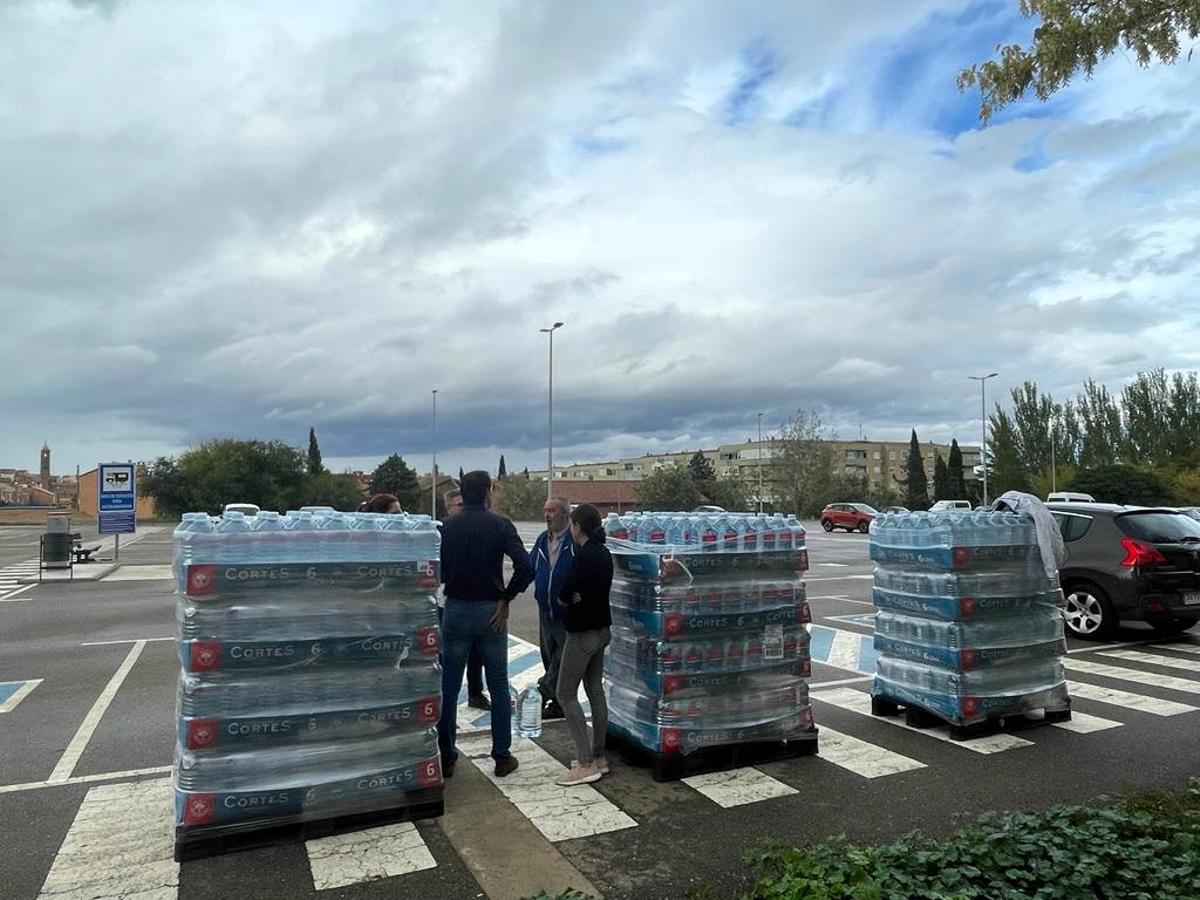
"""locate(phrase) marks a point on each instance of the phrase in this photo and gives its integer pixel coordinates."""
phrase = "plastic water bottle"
(527, 711)
(232, 544)
(301, 532)
(267, 538)
(334, 537)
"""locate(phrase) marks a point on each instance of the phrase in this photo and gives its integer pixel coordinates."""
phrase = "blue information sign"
(116, 484)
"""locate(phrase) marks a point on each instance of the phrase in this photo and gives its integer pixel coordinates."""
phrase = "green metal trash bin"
(56, 544)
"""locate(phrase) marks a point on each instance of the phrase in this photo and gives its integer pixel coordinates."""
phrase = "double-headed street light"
(983, 379)
(760, 453)
(550, 415)
(433, 479)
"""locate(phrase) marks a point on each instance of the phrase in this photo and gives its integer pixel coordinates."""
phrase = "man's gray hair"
(563, 503)
(450, 495)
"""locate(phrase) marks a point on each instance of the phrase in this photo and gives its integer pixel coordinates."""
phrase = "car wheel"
(1088, 614)
(1176, 625)
(827, 525)
(864, 527)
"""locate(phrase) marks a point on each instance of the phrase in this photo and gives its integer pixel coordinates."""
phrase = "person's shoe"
(602, 764)
(479, 701)
(506, 766)
(578, 774)
(448, 768)
(552, 711)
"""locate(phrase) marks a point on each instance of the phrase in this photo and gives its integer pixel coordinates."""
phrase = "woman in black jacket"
(587, 620)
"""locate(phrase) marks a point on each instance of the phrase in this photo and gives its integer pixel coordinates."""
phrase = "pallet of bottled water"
(709, 658)
(309, 689)
(969, 628)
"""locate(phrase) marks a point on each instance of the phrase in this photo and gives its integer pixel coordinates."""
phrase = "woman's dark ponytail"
(587, 517)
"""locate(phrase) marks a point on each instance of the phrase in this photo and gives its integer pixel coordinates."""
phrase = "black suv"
(1128, 562)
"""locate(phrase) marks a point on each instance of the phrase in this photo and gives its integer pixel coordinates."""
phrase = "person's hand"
(500, 617)
(575, 598)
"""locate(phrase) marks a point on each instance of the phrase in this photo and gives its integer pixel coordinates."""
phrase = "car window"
(1160, 527)
(1072, 527)
(863, 507)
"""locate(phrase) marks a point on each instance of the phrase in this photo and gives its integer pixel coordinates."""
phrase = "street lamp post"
(550, 414)
(760, 452)
(1053, 463)
(983, 379)
(433, 472)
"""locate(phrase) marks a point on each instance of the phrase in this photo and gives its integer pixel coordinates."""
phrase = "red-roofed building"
(606, 496)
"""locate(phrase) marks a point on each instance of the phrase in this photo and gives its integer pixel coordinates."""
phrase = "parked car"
(1131, 563)
(708, 509)
(946, 505)
(246, 509)
(850, 516)
(1193, 511)
(897, 509)
(1069, 497)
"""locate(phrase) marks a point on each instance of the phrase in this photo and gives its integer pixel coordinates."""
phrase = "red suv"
(851, 516)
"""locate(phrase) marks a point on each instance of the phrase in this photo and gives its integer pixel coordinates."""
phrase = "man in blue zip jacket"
(551, 559)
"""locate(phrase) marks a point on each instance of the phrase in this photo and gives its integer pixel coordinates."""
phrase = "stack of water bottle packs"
(970, 626)
(310, 686)
(709, 638)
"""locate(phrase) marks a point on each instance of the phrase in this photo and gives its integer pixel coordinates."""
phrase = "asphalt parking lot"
(86, 740)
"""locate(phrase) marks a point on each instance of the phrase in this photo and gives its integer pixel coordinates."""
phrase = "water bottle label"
(206, 580)
(212, 733)
(373, 790)
(213, 656)
(969, 658)
(773, 642)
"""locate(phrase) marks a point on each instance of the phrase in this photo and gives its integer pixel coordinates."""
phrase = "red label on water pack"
(671, 739)
(428, 641)
(202, 733)
(962, 557)
(429, 709)
(201, 580)
(429, 772)
(673, 683)
(673, 624)
(670, 568)
(966, 607)
(205, 656)
(199, 809)
(658, 537)
(968, 659)
(802, 561)
(969, 706)
(806, 668)
(803, 611)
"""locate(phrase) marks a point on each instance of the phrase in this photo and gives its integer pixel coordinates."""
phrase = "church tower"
(46, 466)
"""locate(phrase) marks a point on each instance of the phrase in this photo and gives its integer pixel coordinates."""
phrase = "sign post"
(116, 504)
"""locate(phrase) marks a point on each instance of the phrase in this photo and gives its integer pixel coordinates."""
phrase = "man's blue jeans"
(465, 623)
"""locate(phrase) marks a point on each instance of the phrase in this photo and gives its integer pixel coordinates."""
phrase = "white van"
(944, 505)
(1070, 497)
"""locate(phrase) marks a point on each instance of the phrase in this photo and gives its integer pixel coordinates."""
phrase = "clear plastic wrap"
(710, 644)
(969, 626)
(310, 682)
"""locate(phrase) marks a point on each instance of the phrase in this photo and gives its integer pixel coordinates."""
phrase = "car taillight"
(1139, 554)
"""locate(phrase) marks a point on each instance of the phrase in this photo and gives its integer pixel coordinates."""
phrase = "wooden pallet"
(716, 758)
(202, 841)
(916, 716)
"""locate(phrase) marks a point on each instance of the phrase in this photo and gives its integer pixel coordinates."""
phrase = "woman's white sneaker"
(578, 774)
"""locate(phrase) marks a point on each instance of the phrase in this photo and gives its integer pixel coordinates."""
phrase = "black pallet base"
(919, 717)
(213, 840)
(717, 758)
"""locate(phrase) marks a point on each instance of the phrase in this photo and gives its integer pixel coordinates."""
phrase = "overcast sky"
(243, 219)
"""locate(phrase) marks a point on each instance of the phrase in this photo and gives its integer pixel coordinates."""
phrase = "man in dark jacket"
(551, 559)
(474, 544)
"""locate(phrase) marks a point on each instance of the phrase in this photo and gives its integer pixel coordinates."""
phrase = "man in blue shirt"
(474, 544)
(551, 559)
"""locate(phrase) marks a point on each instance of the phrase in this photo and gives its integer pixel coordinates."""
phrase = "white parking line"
(18, 695)
(121, 844)
(83, 779)
(70, 758)
(1182, 648)
(1152, 659)
(559, 813)
(861, 757)
(858, 702)
(11, 596)
(383, 852)
(1082, 723)
(738, 787)
(1127, 700)
(1153, 679)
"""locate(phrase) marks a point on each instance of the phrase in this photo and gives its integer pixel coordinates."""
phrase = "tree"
(702, 469)
(955, 473)
(916, 484)
(394, 476)
(519, 498)
(802, 469)
(314, 454)
(268, 473)
(1075, 35)
(941, 480)
(1122, 484)
(1162, 417)
(1006, 470)
(460, 474)
(339, 491)
(163, 481)
(1102, 433)
(670, 489)
(502, 469)
(728, 493)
